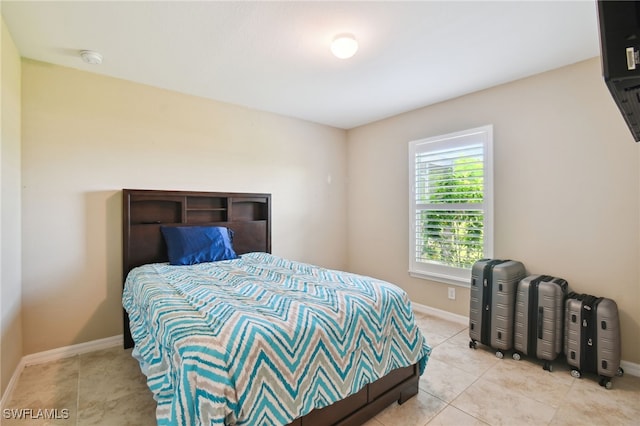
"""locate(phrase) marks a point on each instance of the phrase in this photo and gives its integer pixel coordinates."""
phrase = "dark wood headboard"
(144, 211)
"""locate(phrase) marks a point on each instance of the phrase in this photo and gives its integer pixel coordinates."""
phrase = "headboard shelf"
(149, 209)
(206, 203)
(145, 211)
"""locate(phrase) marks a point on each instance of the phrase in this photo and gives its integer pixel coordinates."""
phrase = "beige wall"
(567, 186)
(87, 136)
(10, 264)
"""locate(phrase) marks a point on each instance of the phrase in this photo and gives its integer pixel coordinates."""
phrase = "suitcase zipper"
(595, 326)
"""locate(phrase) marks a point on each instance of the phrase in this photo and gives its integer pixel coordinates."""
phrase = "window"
(451, 204)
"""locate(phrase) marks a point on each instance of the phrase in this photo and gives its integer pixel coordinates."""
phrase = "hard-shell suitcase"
(592, 336)
(492, 303)
(539, 318)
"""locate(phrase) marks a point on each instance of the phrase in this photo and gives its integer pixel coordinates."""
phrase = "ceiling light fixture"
(91, 57)
(344, 46)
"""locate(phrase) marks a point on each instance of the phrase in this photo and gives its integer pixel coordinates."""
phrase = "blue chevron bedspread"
(262, 340)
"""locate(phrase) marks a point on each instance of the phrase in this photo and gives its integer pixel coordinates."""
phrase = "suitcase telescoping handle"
(564, 285)
(541, 278)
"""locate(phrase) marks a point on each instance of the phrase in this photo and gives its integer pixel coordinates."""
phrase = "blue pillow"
(188, 245)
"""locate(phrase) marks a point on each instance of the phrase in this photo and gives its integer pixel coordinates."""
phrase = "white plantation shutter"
(451, 204)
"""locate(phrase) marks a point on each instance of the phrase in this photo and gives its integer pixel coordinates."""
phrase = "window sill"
(441, 278)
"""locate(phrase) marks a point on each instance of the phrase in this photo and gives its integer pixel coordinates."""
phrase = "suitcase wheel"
(473, 344)
(547, 366)
(576, 373)
(516, 356)
(605, 382)
(620, 372)
(499, 354)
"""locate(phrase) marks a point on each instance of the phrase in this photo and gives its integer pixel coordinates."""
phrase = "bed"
(257, 339)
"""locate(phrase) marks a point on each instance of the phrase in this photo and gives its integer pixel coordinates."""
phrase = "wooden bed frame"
(249, 216)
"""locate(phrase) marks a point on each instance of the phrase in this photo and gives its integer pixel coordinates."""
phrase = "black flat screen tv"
(620, 50)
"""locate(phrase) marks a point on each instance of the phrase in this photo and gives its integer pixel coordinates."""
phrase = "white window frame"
(431, 270)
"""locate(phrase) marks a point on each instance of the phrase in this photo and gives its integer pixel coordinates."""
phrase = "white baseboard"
(629, 368)
(69, 351)
(55, 355)
(6, 396)
(459, 319)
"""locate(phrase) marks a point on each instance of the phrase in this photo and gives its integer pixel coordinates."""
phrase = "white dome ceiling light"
(344, 46)
(91, 57)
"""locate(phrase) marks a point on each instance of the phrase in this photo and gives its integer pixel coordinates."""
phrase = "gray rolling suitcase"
(592, 337)
(539, 318)
(492, 303)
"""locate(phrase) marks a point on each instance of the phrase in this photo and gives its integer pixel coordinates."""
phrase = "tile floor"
(461, 386)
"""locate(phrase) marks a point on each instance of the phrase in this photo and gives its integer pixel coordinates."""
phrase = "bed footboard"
(399, 385)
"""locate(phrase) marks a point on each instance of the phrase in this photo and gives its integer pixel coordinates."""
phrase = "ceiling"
(274, 56)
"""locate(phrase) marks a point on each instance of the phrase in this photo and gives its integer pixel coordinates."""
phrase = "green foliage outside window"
(453, 236)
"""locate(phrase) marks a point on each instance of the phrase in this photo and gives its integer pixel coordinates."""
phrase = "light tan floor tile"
(444, 381)
(52, 380)
(37, 415)
(136, 409)
(109, 361)
(113, 390)
(50, 386)
(437, 325)
(433, 339)
(528, 378)
(456, 352)
(417, 411)
(452, 416)
(109, 375)
(589, 403)
(373, 422)
(492, 404)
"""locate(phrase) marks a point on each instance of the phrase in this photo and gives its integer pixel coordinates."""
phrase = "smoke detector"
(91, 57)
